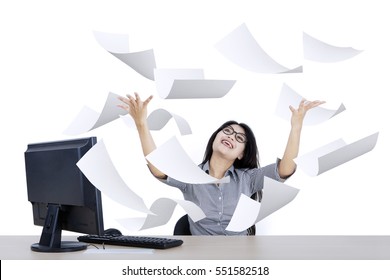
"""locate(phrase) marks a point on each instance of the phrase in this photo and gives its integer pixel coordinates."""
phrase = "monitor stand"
(50, 241)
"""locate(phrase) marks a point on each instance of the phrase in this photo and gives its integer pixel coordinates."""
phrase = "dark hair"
(250, 158)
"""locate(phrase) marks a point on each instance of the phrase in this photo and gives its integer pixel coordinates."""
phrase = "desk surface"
(219, 247)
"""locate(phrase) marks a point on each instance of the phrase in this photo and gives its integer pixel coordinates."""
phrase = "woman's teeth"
(227, 143)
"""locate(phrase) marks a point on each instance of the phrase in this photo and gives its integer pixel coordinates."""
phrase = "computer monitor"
(62, 198)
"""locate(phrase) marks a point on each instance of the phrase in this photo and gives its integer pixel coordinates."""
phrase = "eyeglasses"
(240, 137)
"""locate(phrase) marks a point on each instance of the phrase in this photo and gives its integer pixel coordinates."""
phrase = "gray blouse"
(218, 202)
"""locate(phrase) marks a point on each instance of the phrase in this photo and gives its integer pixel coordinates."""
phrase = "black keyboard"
(132, 241)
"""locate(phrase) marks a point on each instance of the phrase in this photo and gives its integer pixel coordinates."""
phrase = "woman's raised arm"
(138, 111)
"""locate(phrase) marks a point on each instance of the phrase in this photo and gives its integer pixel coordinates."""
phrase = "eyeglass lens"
(240, 137)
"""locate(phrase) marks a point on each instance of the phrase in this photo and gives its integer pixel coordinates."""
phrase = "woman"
(231, 151)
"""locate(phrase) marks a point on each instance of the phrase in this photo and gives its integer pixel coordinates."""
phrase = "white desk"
(219, 247)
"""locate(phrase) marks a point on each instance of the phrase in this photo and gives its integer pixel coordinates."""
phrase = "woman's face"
(230, 142)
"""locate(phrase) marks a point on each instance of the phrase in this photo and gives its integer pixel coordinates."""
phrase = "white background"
(51, 66)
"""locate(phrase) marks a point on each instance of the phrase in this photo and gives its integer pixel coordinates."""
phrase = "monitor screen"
(62, 198)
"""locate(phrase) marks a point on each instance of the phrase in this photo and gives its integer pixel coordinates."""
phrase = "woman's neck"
(219, 166)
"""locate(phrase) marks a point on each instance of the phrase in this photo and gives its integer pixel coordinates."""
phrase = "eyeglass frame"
(235, 134)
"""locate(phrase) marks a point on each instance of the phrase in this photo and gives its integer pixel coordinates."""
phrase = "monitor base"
(66, 246)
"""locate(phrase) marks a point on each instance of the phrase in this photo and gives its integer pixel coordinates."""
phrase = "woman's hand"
(136, 107)
(299, 114)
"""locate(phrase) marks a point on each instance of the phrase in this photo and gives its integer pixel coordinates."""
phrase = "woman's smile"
(227, 143)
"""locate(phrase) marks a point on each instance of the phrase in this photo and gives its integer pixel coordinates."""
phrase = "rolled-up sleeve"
(174, 183)
(282, 179)
(271, 171)
(171, 182)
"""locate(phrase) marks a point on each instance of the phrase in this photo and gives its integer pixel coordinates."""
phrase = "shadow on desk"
(300, 247)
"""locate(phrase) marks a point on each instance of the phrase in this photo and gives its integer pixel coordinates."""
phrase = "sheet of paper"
(88, 119)
(172, 160)
(158, 119)
(182, 89)
(315, 116)
(309, 162)
(142, 62)
(83, 122)
(244, 215)
(189, 83)
(113, 42)
(163, 209)
(334, 154)
(275, 196)
(164, 78)
(249, 212)
(98, 167)
(319, 51)
(241, 48)
(119, 250)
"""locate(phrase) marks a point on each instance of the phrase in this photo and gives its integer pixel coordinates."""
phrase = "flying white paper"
(158, 119)
(334, 154)
(171, 159)
(248, 211)
(314, 116)
(182, 89)
(98, 167)
(241, 48)
(113, 43)
(142, 62)
(319, 51)
(275, 196)
(189, 83)
(164, 78)
(244, 215)
(88, 119)
(163, 209)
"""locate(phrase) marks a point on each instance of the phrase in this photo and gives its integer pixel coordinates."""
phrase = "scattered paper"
(334, 154)
(113, 43)
(142, 62)
(319, 51)
(158, 119)
(189, 83)
(314, 116)
(118, 250)
(171, 159)
(163, 209)
(182, 89)
(249, 212)
(241, 48)
(244, 215)
(88, 119)
(164, 78)
(275, 196)
(98, 167)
